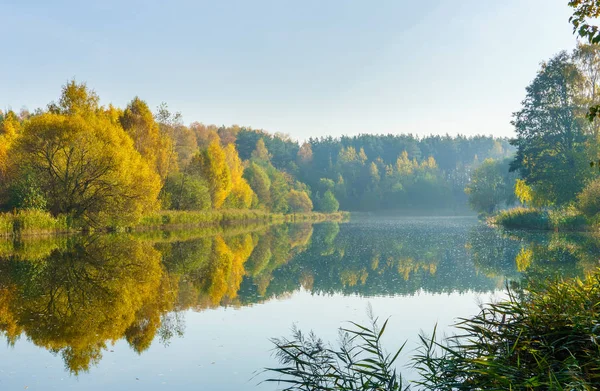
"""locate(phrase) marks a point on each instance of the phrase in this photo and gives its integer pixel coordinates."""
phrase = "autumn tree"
(241, 193)
(211, 163)
(85, 164)
(299, 201)
(155, 148)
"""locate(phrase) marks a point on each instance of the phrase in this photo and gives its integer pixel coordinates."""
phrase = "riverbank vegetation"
(84, 166)
(549, 180)
(542, 336)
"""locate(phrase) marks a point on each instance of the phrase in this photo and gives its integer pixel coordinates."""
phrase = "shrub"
(525, 218)
(588, 201)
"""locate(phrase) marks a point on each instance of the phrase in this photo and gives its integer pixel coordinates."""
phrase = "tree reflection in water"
(76, 296)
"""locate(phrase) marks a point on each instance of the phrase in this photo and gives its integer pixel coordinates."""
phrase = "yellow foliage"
(155, 148)
(523, 191)
(241, 194)
(524, 259)
(87, 167)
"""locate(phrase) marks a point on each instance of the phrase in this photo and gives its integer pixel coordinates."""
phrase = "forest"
(94, 166)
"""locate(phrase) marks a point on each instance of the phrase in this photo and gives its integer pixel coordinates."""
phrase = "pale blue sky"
(306, 68)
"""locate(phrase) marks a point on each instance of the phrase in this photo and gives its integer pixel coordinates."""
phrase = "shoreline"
(37, 223)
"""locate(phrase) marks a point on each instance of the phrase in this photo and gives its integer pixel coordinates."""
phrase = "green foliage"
(565, 219)
(184, 192)
(299, 201)
(588, 201)
(259, 182)
(25, 193)
(327, 203)
(491, 186)
(278, 191)
(568, 219)
(543, 338)
(551, 136)
(359, 363)
(524, 218)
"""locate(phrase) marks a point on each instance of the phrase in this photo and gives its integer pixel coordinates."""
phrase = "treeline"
(103, 166)
(374, 172)
(107, 167)
(556, 144)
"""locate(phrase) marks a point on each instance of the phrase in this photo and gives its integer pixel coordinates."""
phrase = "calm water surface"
(196, 309)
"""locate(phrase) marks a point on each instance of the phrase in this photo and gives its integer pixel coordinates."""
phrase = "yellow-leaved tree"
(9, 130)
(85, 164)
(155, 148)
(241, 194)
(211, 163)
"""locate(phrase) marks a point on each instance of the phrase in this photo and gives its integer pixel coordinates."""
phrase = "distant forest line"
(107, 166)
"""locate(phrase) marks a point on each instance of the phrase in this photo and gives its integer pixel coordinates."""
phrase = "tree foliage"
(551, 135)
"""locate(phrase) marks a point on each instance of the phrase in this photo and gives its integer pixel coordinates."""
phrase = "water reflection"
(76, 296)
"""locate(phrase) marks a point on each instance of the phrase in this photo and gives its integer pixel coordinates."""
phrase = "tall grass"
(566, 219)
(544, 337)
(229, 216)
(358, 364)
(31, 222)
(6, 224)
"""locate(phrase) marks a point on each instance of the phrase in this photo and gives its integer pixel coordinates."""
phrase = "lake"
(196, 309)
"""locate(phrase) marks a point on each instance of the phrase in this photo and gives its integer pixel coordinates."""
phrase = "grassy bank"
(34, 222)
(542, 219)
(230, 217)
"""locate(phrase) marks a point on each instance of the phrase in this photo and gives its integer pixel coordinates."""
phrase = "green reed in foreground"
(359, 363)
(546, 337)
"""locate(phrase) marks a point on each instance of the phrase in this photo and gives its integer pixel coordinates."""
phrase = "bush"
(525, 218)
(184, 192)
(328, 203)
(299, 201)
(588, 201)
(566, 219)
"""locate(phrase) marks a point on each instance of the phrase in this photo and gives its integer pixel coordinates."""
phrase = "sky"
(306, 68)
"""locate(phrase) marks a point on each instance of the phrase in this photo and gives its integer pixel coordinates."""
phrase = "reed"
(358, 364)
(565, 219)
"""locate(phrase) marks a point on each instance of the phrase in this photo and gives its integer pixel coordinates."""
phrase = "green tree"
(185, 192)
(550, 133)
(491, 186)
(299, 201)
(328, 203)
(259, 182)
